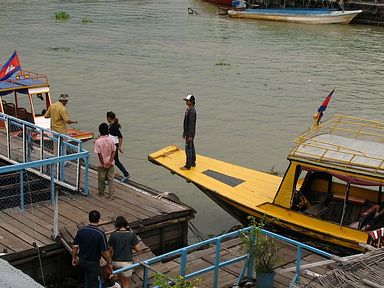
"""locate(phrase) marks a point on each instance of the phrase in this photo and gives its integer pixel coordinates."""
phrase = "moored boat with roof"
(26, 96)
(331, 191)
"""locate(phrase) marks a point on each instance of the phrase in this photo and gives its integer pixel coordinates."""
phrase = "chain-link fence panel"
(43, 161)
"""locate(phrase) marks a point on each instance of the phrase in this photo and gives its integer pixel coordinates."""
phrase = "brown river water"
(257, 83)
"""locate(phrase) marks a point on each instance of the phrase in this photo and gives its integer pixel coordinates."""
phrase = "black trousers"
(190, 153)
(119, 164)
(91, 273)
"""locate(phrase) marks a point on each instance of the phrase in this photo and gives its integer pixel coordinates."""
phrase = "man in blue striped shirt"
(89, 245)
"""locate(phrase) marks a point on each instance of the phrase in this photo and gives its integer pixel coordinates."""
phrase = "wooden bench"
(352, 199)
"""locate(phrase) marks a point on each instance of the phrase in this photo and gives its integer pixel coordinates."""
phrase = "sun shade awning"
(345, 178)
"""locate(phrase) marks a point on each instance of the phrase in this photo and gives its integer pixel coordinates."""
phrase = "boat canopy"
(21, 81)
(346, 142)
(345, 177)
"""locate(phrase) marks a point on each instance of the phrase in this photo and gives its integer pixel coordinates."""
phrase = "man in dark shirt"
(189, 126)
(89, 245)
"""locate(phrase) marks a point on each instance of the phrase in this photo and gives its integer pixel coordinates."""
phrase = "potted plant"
(264, 251)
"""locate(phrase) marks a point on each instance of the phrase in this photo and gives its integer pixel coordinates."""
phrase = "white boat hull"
(330, 17)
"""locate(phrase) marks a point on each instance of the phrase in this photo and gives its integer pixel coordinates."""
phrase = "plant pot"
(265, 280)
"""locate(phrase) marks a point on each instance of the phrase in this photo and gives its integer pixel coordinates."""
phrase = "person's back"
(122, 243)
(91, 240)
(89, 245)
(59, 117)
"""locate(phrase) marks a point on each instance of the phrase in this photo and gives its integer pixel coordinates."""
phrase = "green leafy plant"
(62, 16)
(264, 249)
(86, 20)
(178, 281)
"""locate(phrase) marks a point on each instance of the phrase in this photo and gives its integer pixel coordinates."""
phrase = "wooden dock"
(26, 235)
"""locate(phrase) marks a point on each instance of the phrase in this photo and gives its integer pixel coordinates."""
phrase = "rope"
(34, 228)
(200, 236)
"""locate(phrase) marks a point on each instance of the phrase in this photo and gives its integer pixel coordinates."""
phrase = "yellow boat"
(331, 191)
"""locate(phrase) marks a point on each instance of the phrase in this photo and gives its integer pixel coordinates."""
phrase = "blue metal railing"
(248, 265)
(43, 152)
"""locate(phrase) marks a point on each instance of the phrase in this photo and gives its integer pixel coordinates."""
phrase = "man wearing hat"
(59, 115)
(189, 132)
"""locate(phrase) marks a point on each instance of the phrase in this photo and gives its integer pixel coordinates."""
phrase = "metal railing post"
(22, 189)
(62, 150)
(183, 264)
(41, 149)
(298, 264)
(29, 144)
(145, 277)
(78, 170)
(56, 213)
(24, 145)
(217, 262)
(8, 138)
(52, 182)
(86, 188)
(251, 262)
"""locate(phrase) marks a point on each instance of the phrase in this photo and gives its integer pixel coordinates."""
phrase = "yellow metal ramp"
(245, 186)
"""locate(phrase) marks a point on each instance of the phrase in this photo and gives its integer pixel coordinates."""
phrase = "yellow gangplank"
(246, 187)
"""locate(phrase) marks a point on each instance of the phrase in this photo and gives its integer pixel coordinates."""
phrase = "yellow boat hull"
(242, 192)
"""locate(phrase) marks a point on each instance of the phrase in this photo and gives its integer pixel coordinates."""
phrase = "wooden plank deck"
(22, 231)
(228, 275)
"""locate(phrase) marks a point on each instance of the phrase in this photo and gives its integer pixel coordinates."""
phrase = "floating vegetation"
(86, 20)
(222, 63)
(62, 16)
(64, 49)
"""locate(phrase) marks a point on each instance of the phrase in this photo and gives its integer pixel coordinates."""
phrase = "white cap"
(189, 97)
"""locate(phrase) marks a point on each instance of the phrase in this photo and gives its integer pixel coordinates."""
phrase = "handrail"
(183, 253)
(348, 127)
(33, 148)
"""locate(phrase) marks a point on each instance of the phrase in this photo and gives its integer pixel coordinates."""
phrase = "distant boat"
(224, 3)
(297, 15)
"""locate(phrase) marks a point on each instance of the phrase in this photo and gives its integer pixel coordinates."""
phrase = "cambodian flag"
(9, 68)
(323, 106)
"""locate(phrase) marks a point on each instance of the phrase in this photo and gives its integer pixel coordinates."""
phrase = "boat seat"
(320, 208)
(366, 218)
(23, 114)
(351, 199)
(9, 109)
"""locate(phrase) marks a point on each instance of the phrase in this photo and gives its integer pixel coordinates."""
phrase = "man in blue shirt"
(89, 245)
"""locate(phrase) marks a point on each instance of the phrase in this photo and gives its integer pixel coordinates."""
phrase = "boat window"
(39, 103)
(23, 107)
(345, 200)
(9, 105)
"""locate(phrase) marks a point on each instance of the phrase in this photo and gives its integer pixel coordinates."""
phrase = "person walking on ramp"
(105, 149)
(89, 245)
(121, 243)
(189, 131)
(114, 131)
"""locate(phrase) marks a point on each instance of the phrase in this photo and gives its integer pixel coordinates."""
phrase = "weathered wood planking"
(22, 230)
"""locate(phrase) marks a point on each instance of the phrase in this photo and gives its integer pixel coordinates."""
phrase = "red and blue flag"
(323, 106)
(10, 67)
